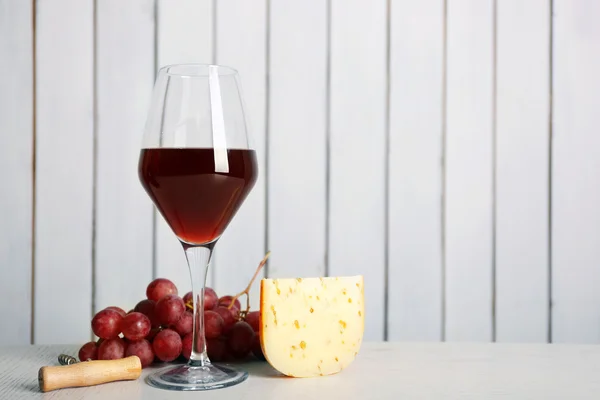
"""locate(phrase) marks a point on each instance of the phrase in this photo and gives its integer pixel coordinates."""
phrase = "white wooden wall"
(445, 149)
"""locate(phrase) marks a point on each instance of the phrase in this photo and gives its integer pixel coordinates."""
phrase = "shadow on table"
(30, 387)
(262, 369)
(256, 368)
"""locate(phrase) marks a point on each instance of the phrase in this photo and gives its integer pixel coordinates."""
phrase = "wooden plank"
(185, 31)
(64, 165)
(357, 150)
(184, 35)
(469, 158)
(241, 44)
(16, 163)
(398, 370)
(576, 162)
(415, 170)
(125, 73)
(522, 170)
(297, 138)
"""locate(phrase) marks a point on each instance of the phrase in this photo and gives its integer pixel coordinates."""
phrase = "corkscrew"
(65, 359)
(72, 373)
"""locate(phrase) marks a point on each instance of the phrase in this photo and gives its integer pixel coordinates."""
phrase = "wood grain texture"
(241, 43)
(297, 138)
(19, 368)
(357, 150)
(281, 50)
(576, 162)
(522, 170)
(184, 35)
(185, 31)
(415, 171)
(125, 73)
(469, 170)
(460, 371)
(64, 170)
(16, 168)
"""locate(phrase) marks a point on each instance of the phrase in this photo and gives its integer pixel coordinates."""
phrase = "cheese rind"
(311, 326)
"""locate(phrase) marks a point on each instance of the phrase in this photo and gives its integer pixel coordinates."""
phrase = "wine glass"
(197, 166)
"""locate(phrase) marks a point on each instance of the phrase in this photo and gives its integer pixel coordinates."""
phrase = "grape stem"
(247, 290)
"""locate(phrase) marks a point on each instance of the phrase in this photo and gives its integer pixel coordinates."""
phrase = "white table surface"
(381, 371)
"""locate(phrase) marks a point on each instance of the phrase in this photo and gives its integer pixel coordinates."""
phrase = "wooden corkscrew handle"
(89, 373)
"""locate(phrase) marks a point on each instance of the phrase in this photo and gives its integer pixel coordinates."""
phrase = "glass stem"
(198, 259)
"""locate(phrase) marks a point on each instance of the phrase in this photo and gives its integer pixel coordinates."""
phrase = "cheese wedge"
(312, 326)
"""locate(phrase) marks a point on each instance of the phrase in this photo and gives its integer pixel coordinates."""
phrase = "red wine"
(196, 201)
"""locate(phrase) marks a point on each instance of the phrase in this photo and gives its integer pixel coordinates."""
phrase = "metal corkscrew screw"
(65, 359)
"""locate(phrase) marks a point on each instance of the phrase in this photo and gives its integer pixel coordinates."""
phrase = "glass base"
(187, 377)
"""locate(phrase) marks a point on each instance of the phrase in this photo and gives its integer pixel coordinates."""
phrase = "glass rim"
(196, 70)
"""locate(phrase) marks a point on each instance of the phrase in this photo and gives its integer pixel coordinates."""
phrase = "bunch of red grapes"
(159, 328)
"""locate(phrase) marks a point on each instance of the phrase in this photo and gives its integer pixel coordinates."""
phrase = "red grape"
(235, 312)
(147, 307)
(135, 326)
(153, 332)
(159, 288)
(169, 309)
(253, 319)
(216, 349)
(239, 339)
(167, 345)
(187, 299)
(185, 324)
(117, 309)
(210, 299)
(142, 349)
(225, 301)
(229, 317)
(88, 351)
(186, 345)
(111, 349)
(106, 324)
(213, 324)
(227, 356)
(257, 348)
